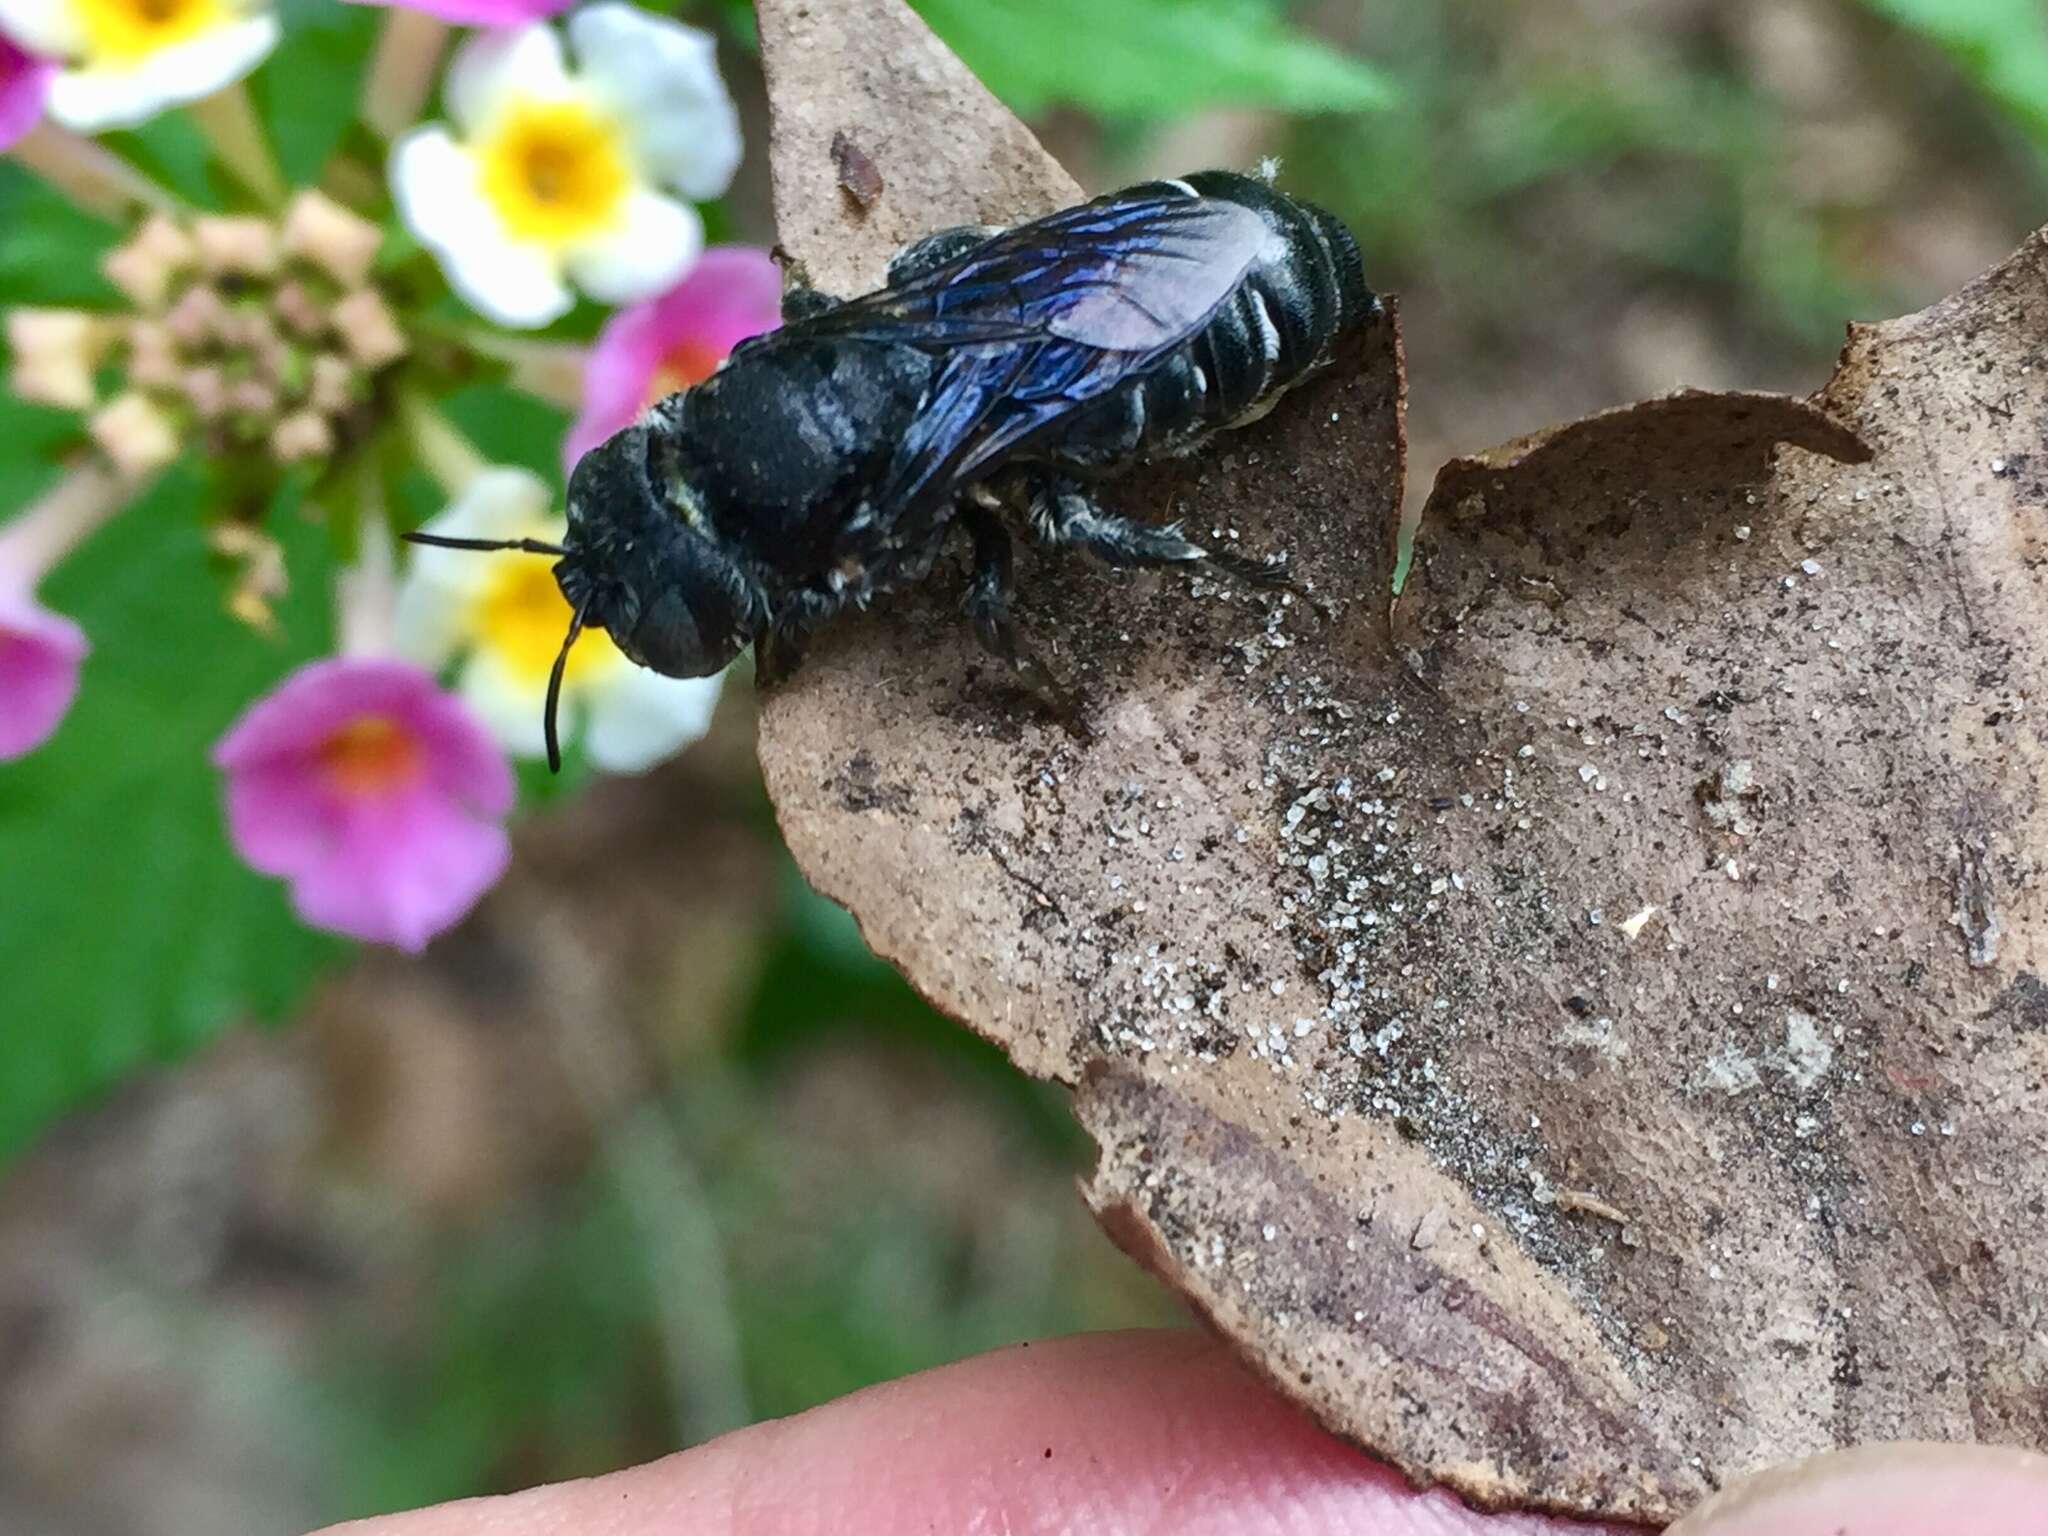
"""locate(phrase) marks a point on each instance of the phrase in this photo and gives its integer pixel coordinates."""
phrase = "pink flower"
(40, 651)
(24, 81)
(39, 656)
(654, 349)
(481, 13)
(376, 795)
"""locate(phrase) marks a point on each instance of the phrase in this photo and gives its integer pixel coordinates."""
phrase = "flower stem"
(90, 174)
(58, 522)
(365, 593)
(229, 121)
(451, 458)
(401, 75)
(547, 370)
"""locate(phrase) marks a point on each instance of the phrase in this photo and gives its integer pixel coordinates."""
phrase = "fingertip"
(1109, 1434)
(1906, 1489)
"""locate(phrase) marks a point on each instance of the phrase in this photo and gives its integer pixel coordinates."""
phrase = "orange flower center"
(371, 755)
(686, 363)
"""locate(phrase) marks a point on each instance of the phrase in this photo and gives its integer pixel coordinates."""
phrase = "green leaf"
(50, 252)
(2002, 45)
(1151, 58)
(309, 88)
(170, 148)
(510, 428)
(132, 933)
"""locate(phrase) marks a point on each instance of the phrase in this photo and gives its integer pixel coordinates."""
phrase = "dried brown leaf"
(1582, 1033)
(939, 148)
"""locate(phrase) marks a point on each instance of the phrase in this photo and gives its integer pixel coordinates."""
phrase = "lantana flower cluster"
(296, 345)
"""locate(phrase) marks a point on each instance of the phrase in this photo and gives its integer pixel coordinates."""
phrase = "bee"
(994, 382)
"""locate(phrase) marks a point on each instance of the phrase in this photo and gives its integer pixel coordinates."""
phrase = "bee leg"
(987, 606)
(1061, 511)
(779, 650)
(800, 301)
(920, 258)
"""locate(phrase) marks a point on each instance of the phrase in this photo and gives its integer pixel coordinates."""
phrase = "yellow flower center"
(126, 31)
(555, 170)
(522, 616)
(370, 756)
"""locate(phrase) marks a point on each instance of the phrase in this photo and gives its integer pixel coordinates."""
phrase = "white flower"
(124, 61)
(504, 617)
(559, 177)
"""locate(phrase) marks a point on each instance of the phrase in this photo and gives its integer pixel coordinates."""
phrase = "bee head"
(644, 565)
(641, 563)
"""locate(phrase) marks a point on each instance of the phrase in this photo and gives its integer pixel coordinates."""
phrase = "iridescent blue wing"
(1042, 320)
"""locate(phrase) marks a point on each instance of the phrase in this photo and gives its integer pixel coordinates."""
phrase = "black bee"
(997, 372)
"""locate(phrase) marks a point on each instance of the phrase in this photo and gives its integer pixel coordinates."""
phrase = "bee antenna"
(524, 546)
(555, 685)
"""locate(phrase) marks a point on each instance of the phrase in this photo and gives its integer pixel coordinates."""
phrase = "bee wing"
(1039, 322)
(1134, 274)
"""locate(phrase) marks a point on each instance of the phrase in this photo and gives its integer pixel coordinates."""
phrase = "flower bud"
(55, 353)
(199, 317)
(319, 230)
(333, 387)
(238, 327)
(207, 390)
(302, 435)
(262, 578)
(367, 329)
(238, 247)
(252, 397)
(152, 259)
(300, 311)
(153, 355)
(252, 332)
(136, 437)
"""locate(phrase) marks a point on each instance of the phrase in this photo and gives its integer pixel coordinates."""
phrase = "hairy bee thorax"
(687, 504)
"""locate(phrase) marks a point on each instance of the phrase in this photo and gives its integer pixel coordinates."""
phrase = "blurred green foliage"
(1439, 186)
(1152, 58)
(139, 935)
(131, 933)
(49, 255)
(2002, 45)
(307, 90)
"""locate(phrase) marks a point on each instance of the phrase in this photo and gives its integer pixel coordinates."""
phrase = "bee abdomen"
(1304, 291)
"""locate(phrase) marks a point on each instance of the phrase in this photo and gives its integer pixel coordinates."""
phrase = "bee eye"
(666, 639)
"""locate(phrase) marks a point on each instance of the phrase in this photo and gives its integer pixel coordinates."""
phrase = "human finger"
(1106, 1434)
(1886, 1490)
